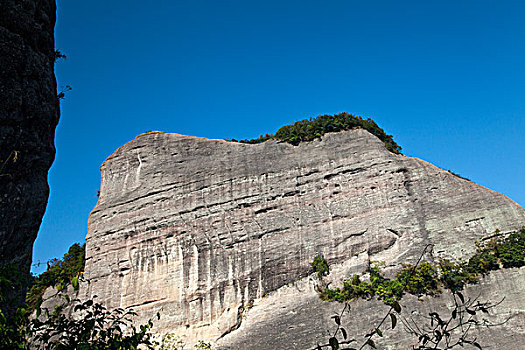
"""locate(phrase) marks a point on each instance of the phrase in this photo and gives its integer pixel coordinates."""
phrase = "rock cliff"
(29, 113)
(198, 229)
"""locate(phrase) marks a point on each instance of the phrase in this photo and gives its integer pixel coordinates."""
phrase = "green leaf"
(477, 345)
(379, 333)
(461, 297)
(345, 335)
(337, 319)
(396, 307)
(334, 343)
(74, 282)
(371, 343)
(394, 320)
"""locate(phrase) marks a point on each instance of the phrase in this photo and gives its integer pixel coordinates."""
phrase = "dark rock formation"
(198, 229)
(29, 112)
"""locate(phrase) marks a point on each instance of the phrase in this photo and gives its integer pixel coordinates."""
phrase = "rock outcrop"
(29, 112)
(198, 229)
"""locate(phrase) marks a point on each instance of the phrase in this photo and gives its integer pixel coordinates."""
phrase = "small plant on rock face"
(423, 280)
(202, 345)
(430, 332)
(170, 341)
(320, 266)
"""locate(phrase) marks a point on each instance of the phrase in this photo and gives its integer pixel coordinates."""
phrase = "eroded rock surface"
(197, 228)
(29, 113)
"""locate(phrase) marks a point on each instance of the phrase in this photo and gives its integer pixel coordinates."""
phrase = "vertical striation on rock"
(197, 228)
(29, 112)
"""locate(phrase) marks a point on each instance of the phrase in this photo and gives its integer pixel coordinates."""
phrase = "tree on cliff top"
(313, 128)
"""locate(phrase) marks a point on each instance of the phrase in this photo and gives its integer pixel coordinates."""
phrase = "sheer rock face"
(197, 228)
(29, 113)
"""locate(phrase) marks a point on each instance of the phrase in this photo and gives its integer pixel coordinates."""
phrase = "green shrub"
(482, 263)
(59, 274)
(313, 128)
(320, 266)
(453, 275)
(427, 278)
(420, 280)
(202, 345)
(511, 250)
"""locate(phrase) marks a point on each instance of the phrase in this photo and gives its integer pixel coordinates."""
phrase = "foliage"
(427, 278)
(12, 331)
(422, 281)
(453, 331)
(93, 327)
(59, 55)
(313, 128)
(432, 332)
(59, 273)
(62, 94)
(90, 326)
(320, 266)
(417, 280)
(170, 341)
(439, 334)
(12, 335)
(511, 250)
(375, 280)
(202, 345)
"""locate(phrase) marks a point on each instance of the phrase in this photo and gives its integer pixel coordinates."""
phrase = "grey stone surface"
(295, 318)
(198, 229)
(29, 113)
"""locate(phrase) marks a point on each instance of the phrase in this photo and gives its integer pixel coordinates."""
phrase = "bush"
(453, 275)
(421, 280)
(313, 128)
(511, 250)
(320, 266)
(59, 273)
(427, 278)
(97, 328)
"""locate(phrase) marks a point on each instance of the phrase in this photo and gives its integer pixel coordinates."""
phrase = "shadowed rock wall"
(29, 112)
(197, 228)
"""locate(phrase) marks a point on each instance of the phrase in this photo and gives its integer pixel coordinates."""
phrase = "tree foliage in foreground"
(92, 326)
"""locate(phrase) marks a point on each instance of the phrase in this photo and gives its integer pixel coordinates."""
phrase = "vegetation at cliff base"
(313, 128)
(498, 251)
(59, 273)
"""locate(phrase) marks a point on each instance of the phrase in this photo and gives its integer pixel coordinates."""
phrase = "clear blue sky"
(446, 79)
